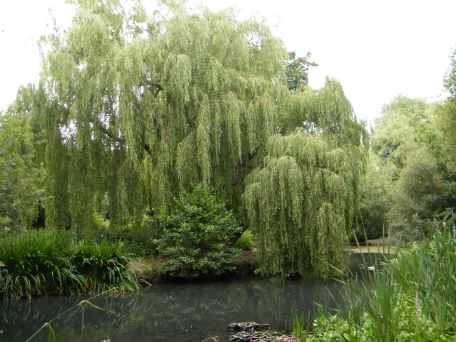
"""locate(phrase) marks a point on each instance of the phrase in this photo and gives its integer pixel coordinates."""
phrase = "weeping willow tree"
(78, 106)
(140, 107)
(203, 97)
(303, 202)
(137, 108)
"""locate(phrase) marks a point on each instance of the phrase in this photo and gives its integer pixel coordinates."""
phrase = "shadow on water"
(174, 311)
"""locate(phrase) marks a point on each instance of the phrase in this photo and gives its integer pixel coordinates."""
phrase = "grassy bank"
(412, 299)
(47, 262)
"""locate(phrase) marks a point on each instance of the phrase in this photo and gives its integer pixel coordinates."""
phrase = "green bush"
(100, 222)
(198, 236)
(45, 262)
(403, 324)
(247, 241)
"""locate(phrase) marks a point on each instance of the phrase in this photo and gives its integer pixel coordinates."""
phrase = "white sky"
(377, 48)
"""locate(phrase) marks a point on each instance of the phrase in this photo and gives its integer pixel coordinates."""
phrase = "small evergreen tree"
(198, 236)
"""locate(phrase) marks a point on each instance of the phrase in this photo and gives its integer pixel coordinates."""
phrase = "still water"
(177, 312)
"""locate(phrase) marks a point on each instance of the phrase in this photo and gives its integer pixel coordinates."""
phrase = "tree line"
(134, 109)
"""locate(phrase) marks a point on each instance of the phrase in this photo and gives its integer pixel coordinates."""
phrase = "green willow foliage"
(139, 108)
(139, 105)
(303, 201)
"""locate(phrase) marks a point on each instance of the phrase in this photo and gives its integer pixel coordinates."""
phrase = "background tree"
(21, 168)
(374, 200)
(447, 114)
(297, 70)
(397, 130)
(450, 79)
(416, 195)
(414, 157)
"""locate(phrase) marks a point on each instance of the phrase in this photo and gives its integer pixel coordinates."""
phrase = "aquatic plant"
(413, 297)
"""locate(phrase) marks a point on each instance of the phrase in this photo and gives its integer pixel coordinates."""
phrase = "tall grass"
(413, 298)
(427, 275)
(103, 264)
(43, 262)
(298, 327)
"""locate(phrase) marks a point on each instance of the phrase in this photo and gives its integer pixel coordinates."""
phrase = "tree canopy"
(411, 149)
(178, 101)
(136, 108)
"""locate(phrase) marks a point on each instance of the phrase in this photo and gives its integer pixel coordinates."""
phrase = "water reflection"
(171, 312)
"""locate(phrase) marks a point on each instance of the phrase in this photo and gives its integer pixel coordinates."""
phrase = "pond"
(168, 312)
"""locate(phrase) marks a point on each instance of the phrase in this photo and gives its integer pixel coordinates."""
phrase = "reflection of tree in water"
(170, 312)
(19, 319)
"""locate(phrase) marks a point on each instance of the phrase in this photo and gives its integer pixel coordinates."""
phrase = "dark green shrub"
(198, 236)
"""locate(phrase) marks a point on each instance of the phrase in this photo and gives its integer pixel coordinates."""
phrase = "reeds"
(411, 298)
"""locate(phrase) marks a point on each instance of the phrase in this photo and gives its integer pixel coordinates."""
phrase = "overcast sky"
(377, 49)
